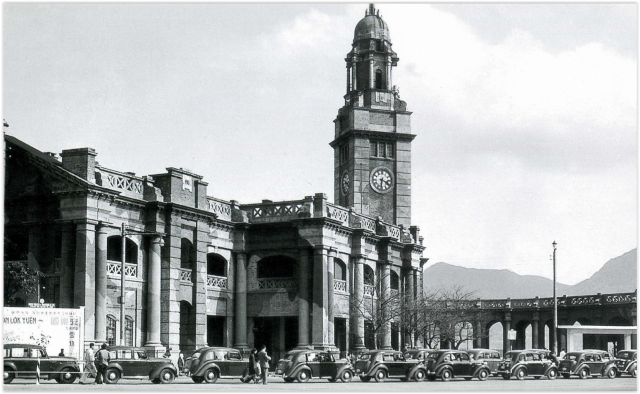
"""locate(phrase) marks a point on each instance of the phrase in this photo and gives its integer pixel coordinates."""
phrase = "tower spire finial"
(372, 9)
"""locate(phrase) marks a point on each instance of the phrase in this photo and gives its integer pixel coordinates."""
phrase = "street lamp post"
(555, 304)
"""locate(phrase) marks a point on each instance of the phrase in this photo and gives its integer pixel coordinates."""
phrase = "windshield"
(289, 357)
(433, 356)
(511, 356)
(414, 356)
(195, 355)
(364, 356)
(624, 355)
(571, 356)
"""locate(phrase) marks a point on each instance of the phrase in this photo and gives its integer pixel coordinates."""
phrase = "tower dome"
(371, 26)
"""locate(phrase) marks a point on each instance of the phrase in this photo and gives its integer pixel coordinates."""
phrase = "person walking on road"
(264, 358)
(89, 368)
(102, 362)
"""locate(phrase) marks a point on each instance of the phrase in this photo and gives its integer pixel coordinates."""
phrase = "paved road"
(276, 384)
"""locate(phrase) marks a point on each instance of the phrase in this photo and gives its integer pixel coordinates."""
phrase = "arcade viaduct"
(618, 309)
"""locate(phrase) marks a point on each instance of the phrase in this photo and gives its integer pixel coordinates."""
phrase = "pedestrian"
(89, 368)
(562, 353)
(102, 362)
(180, 364)
(254, 367)
(61, 354)
(167, 354)
(264, 358)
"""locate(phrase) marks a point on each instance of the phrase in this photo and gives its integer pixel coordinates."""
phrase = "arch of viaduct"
(617, 309)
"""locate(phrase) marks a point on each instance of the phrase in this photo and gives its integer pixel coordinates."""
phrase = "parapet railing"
(547, 302)
(127, 183)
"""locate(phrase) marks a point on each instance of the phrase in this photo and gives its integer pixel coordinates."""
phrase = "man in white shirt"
(89, 368)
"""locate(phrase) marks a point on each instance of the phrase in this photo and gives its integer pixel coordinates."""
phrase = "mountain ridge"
(618, 275)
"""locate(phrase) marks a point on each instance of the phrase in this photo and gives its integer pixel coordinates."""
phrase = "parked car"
(523, 363)
(626, 362)
(491, 357)
(450, 364)
(585, 363)
(383, 364)
(302, 365)
(130, 362)
(212, 363)
(418, 354)
(20, 361)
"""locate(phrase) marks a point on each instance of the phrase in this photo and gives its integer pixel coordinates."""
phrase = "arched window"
(395, 281)
(128, 331)
(369, 276)
(378, 79)
(187, 254)
(216, 265)
(276, 267)
(339, 270)
(111, 330)
(114, 250)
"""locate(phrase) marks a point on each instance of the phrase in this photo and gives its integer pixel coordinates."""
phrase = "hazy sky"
(525, 115)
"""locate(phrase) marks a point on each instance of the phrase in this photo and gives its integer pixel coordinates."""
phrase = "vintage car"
(418, 354)
(209, 364)
(585, 363)
(491, 357)
(20, 361)
(626, 362)
(302, 365)
(449, 364)
(383, 364)
(128, 362)
(523, 363)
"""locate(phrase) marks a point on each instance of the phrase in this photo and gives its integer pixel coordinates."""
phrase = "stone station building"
(202, 271)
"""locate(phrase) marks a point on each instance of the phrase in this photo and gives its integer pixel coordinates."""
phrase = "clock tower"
(372, 144)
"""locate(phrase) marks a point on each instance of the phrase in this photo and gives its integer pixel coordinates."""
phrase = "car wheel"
(633, 372)
(8, 377)
(197, 379)
(521, 374)
(113, 375)
(611, 373)
(303, 376)
(167, 376)
(67, 376)
(446, 375)
(583, 373)
(210, 375)
(552, 374)
(381, 375)
(365, 378)
(566, 375)
(346, 376)
(419, 375)
(483, 375)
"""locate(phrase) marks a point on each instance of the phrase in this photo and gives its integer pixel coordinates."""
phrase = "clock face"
(344, 183)
(381, 180)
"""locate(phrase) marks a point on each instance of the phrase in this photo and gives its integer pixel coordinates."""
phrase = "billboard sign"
(53, 328)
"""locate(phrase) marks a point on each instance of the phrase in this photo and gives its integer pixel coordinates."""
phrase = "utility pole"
(555, 304)
(124, 252)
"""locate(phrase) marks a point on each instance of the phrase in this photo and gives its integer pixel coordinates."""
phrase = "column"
(354, 78)
(67, 266)
(477, 331)
(101, 284)
(386, 294)
(319, 327)
(241, 301)
(371, 76)
(389, 85)
(634, 322)
(348, 79)
(303, 299)
(410, 298)
(84, 292)
(153, 292)
(506, 326)
(330, 288)
(535, 331)
(358, 298)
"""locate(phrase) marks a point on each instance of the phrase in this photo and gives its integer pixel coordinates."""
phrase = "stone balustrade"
(340, 285)
(222, 209)
(214, 281)
(127, 183)
(277, 283)
(185, 275)
(535, 303)
(115, 268)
